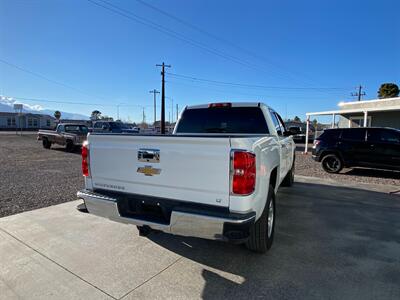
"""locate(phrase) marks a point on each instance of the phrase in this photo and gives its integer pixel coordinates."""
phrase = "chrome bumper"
(181, 223)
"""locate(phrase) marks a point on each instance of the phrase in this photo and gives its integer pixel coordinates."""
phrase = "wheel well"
(273, 177)
(325, 153)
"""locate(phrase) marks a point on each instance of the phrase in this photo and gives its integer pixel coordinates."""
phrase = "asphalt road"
(33, 177)
(331, 243)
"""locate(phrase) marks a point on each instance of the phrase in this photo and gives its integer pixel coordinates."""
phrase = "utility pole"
(163, 66)
(359, 94)
(143, 117)
(172, 110)
(155, 92)
(177, 111)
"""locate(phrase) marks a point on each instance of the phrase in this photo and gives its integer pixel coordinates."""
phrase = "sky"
(296, 56)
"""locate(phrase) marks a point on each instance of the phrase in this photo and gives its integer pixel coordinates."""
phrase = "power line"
(252, 85)
(215, 37)
(77, 103)
(45, 78)
(226, 89)
(134, 17)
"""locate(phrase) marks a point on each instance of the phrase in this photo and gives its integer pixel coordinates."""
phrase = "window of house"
(11, 121)
(48, 123)
(355, 122)
(32, 122)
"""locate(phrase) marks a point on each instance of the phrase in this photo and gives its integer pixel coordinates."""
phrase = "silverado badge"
(149, 170)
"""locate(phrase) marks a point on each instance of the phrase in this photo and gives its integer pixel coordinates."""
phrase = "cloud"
(10, 101)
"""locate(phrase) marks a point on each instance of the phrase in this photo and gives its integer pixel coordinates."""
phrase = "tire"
(69, 146)
(262, 231)
(46, 144)
(289, 178)
(332, 163)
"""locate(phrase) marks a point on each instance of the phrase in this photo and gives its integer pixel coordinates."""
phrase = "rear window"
(330, 134)
(76, 128)
(223, 120)
(355, 134)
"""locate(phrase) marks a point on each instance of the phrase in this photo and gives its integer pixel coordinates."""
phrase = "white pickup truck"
(215, 177)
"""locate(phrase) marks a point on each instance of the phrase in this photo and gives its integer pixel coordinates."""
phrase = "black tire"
(46, 144)
(262, 231)
(332, 163)
(69, 146)
(289, 178)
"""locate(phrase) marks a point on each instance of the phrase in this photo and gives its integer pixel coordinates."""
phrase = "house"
(25, 121)
(376, 113)
(368, 113)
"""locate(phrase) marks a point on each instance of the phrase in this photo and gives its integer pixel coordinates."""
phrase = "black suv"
(358, 147)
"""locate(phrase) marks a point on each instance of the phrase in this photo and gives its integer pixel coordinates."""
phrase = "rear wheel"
(69, 147)
(262, 231)
(332, 163)
(46, 144)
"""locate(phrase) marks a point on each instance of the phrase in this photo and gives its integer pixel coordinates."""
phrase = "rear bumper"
(228, 227)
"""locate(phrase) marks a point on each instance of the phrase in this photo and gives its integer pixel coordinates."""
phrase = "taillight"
(85, 160)
(243, 172)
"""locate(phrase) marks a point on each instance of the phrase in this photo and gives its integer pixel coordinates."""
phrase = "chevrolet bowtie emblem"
(149, 170)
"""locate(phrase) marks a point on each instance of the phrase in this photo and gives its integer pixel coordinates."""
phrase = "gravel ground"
(306, 166)
(32, 177)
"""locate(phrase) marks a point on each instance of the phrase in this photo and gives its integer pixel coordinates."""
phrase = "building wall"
(372, 103)
(41, 122)
(378, 119)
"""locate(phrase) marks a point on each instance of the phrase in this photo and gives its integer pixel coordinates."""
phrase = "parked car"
(298, 131)
(69, 135)
(353, 147)
(215, 177)
(113, 127)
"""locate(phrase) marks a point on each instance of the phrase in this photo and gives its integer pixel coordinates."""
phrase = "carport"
(365, 111)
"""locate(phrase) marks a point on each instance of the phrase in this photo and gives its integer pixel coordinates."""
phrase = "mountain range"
(7, 105)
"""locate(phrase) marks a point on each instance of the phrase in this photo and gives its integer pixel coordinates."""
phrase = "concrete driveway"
(331, 242)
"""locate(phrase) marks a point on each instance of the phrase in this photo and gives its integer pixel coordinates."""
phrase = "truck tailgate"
(192, 169)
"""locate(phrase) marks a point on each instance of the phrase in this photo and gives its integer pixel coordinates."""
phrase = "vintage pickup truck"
(215, 177)
(68, 134)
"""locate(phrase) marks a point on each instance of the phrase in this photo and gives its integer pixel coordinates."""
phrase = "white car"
(215, 177)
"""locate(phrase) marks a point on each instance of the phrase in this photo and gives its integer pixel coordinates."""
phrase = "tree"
(388, 90)
(297, 119)
(57, 115)
(315, 123)
(96, 114)
(106, 118)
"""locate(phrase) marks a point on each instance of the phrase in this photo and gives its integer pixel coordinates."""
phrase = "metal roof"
(354, 110)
